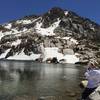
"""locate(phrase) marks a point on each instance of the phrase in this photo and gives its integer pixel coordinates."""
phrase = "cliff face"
(32, 37)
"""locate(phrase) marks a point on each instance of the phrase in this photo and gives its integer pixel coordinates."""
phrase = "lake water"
(26, 80)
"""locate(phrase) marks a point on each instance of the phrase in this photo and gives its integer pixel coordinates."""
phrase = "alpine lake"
(28, 80)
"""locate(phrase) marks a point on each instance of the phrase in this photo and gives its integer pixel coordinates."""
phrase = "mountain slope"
(58, 33)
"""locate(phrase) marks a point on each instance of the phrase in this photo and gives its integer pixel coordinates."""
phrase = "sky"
(15, 9)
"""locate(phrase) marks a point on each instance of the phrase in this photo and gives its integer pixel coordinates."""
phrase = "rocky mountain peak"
(60, 31)
(51, 16)
(56, 12)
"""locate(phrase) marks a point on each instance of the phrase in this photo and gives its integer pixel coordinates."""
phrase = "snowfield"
(53, 52)
(46, 31)
(22, 56)
(48, 53)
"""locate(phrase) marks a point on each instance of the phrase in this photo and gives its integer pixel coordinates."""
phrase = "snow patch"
(66, 12)
(71, 59)
(3, 55)
(15, 43)
(46, 31)
(4, 34)
(70, 39)
(53, 52)
(23, 21)
(93, 28)
(8, 26)
(47, 53)
(22, 56)
(1, 35)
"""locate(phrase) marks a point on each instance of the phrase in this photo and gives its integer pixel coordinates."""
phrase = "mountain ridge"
(62, 32)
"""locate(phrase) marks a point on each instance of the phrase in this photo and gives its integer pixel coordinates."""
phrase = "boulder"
(41, 98)
(68, 51)
(38, 60)
(72, 94)
(54, 60)
(82, 62)
(96, 94)
(62, 61)
(83, 83)
(48, 60)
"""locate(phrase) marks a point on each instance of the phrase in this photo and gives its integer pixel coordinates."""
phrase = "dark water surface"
(20, 80)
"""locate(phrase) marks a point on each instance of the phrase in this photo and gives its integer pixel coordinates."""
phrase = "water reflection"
(16, 71)
(18, 78)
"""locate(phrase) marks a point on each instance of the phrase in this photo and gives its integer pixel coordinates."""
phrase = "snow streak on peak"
(66, 13)
(8, 26)
(47, 31)
(15, 43)
(23, 22)
(3, 55)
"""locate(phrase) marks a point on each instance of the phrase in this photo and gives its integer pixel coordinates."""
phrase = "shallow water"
(20, 79)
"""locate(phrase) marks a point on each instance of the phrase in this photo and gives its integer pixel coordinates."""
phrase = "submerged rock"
(71, 94)
(41, 98)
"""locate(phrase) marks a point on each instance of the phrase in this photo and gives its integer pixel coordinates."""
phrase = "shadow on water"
(23, 79)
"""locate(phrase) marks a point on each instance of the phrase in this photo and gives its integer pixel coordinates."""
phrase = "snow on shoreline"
(53, 52)
(48, 53)
(22, 56)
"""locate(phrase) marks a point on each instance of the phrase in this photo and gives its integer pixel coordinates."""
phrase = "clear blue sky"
(14, 9)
